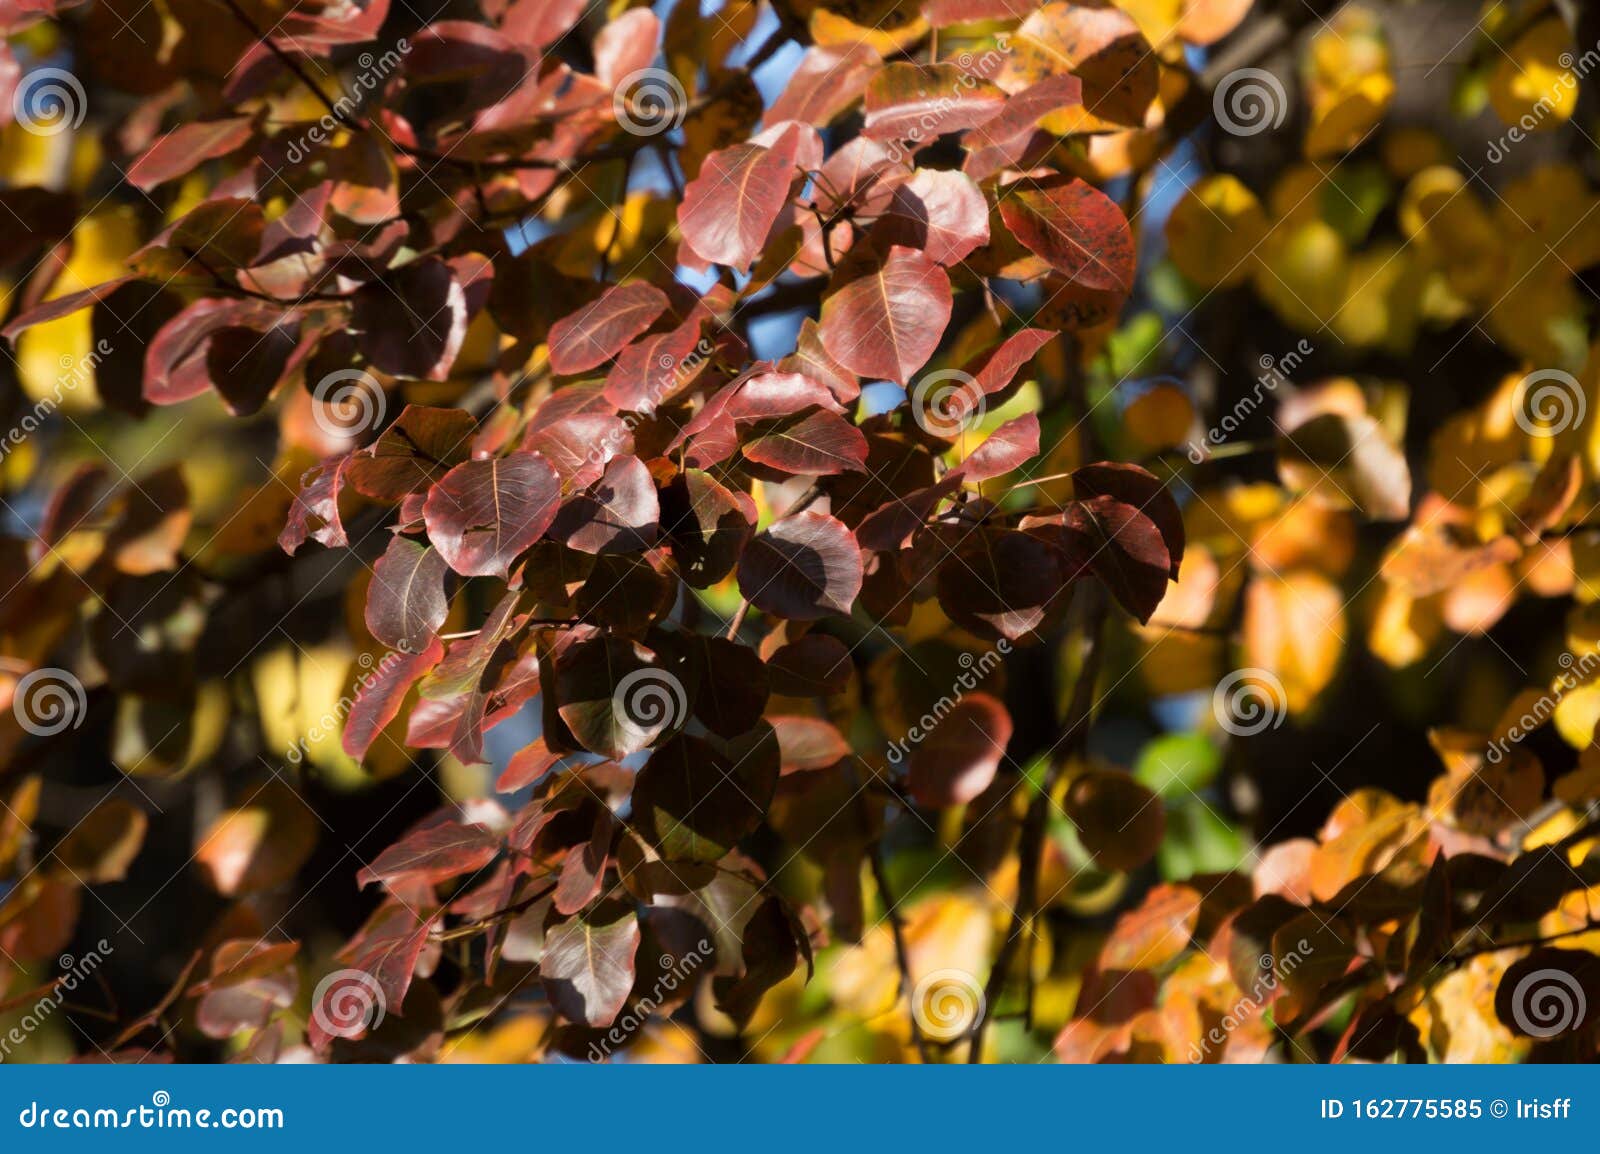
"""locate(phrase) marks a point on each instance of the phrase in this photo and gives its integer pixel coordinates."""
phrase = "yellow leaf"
(1302, 274)
(1161, 417)
(1342, 120)
(1348, 80)
(53, 359)
(1532, 85)
(1214, 231)
(1457, 1019)
(1294, 629)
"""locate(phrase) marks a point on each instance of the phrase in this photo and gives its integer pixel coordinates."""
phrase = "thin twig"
(1030, 848)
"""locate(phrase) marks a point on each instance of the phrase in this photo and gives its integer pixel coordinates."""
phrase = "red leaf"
(650, 371)
(578, 431)
(997, 368)
(1125, 550)
(1003, 141)
(1002, 584)
(816, 665)
(956, 761)
(618, 697)
(383, 959)
(809, 743)
(1076, 229)
(485, 512)
(598, 331)
(812, 360)
(412, 323)
(920, 102)
(437, 850)
(694, 799)
(816, 445)
(314, 512)
(802, 568)
(886, 323)
(540, 23)
(381, 694)
(771, 395)
(626, 45)
(620, 513)
(707, 525)
(1141, 489)
(583, 869)
(1008, 447)
(942, 213)
(405, 601)
(526, 766)
(413, 453)
(823, 84)
(729, 208)
(588, 965)
(184, 148)
(62, 306)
